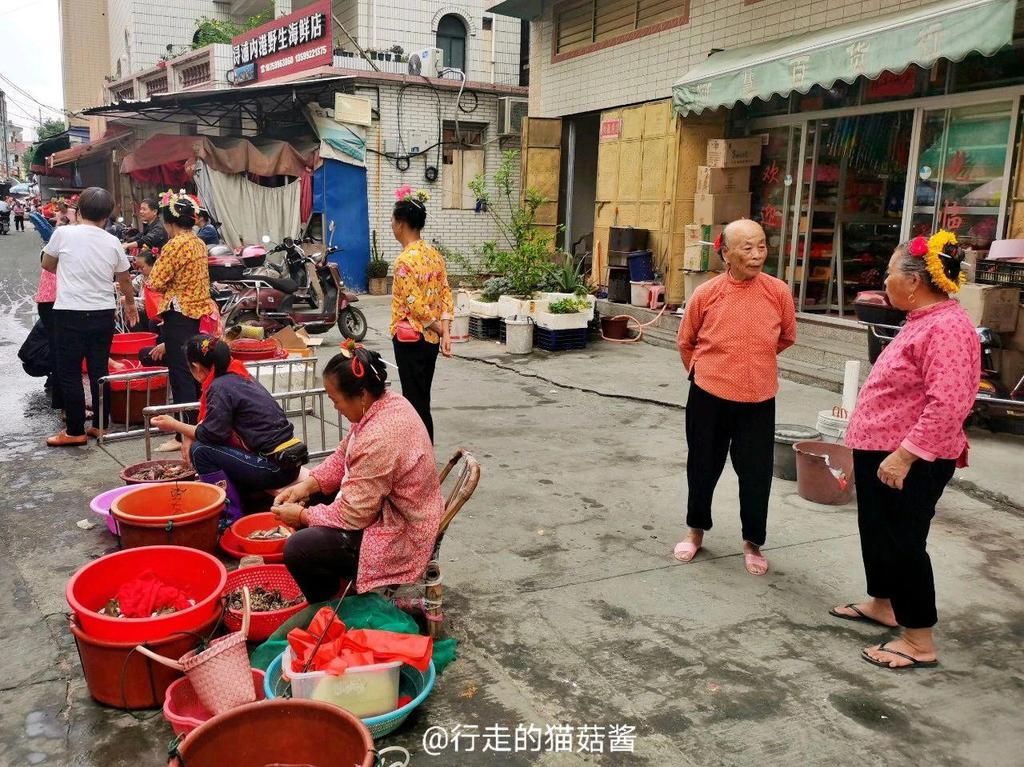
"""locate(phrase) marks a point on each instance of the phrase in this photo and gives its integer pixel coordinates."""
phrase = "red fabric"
(234, 367)
(151, 300)
(141, 597)
(306, 196)
(342, 649)
(172, 174)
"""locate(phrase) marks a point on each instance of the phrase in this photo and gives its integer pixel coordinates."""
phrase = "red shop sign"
(889, 85)
(611, 128)
(301, 40)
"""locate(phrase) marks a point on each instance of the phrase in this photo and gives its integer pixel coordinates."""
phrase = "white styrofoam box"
(563, 321)
(510, 306)
(483, 308)
(463, 298)
(362, 690)
(547, 298)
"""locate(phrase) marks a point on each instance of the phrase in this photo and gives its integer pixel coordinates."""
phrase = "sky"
(30, 58)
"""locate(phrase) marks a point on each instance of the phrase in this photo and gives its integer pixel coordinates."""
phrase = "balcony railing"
(203, 68)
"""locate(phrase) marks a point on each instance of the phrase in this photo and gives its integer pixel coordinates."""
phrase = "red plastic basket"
(251, 349)
(272, 577)
(184, 711)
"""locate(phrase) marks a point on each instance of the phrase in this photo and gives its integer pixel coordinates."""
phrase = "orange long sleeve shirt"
(732, 332)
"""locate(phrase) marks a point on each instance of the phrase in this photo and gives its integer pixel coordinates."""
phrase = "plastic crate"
(484, 328)
(1005, 273)
(559, 340)
(362, 690)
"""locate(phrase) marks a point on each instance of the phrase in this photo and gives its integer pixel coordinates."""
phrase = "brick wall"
(462, 230)
(644, 69)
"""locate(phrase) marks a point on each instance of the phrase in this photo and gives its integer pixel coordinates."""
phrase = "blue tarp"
(339, 192)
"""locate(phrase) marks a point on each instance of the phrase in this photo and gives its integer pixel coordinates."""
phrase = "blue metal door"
(339, 192)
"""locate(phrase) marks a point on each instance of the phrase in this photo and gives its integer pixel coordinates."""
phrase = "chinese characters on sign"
(611, 129)
(298, 41)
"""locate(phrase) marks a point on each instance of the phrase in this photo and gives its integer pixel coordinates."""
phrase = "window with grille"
(582, 23)
(156, 85)
(462, 161)
(195, 75)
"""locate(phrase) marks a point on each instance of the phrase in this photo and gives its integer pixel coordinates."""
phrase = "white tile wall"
(462, 230)
(644, 69)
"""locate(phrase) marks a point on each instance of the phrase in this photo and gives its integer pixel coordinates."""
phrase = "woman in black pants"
(182, 276)
(421, 304)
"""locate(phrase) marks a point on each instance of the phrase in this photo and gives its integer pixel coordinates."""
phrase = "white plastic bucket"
(519, 335)
(639, 293)
(832, 428)
(460, 329)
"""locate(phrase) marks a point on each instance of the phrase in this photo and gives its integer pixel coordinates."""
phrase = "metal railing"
(311, 406)
(286, 379)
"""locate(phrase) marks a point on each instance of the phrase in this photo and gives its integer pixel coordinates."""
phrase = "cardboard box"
(734, 152)
(1011, 367)
(693, 280)
(722, 180)
(1015, 340)
(720, 208)
(699, 255)
(991, 306)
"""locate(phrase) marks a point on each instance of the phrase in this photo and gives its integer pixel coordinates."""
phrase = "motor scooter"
(5, 222)
(305, 291)
(226, 264)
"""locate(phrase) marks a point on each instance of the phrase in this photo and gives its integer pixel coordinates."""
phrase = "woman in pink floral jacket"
(381, 526)
(907, 435)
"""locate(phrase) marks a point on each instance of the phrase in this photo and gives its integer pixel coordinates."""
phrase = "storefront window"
(960, 172)
(976, 71)
(910, 83)
(772, 190)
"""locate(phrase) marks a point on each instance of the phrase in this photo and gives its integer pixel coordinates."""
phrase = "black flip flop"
(914, 662)
(860, 617)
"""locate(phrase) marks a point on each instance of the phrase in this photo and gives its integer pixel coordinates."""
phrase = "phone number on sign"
(531, 738)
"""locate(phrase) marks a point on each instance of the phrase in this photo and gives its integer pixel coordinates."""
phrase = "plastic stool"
(656, 296)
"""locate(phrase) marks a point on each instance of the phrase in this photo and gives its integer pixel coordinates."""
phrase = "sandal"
(860, 617)
(749, 560)
(685, 551)
(914, 662)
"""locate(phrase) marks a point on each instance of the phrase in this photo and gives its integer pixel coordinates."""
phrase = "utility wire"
(32, 98)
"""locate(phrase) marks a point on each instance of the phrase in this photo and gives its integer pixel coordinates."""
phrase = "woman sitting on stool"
(243, 437)
(381, 526)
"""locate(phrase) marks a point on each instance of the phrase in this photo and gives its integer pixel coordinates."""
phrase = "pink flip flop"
(685, 551)
(749, 560)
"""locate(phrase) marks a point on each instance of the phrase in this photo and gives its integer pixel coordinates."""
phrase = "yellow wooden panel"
(607, 170)
(451, 181)
(657, 118)
(542, 170)
(630, 169)
(545, 132)
(632, 123)
(650, 215)
(653, 168)
(472, 166)
(626, 214)
(682, 214)
(604, 214)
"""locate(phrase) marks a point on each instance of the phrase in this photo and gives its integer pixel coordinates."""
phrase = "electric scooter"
(306, 291)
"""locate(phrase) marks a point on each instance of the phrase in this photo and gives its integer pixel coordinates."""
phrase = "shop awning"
(80, 151)
(950, 29)
(518, 9)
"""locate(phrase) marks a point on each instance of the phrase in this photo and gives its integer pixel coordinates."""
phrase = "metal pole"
(3, 121)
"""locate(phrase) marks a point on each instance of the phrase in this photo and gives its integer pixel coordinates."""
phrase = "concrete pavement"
(561, 587)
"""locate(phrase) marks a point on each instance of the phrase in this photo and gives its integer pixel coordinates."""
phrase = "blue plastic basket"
(641, 266)
(414, 683)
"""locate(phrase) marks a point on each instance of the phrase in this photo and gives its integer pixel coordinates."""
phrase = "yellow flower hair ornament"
(941, 245)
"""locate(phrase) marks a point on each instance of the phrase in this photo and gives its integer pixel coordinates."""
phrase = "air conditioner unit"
(428, 62)
(511, 111)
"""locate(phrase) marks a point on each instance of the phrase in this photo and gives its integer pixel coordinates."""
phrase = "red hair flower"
(918, 247)
(717, 244)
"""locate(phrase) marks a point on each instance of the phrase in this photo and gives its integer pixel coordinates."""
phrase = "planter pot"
(483, 308)
(378, 286)
(510, 306)
(519, 335)
(547, 299)
(573, 321)
(614, 327)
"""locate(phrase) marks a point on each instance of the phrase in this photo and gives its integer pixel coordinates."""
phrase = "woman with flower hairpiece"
(182, 276)
(421, 303)
(381, 526)
(907, 435)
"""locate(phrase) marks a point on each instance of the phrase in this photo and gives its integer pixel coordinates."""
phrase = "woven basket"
(271, 577)
(220, 674)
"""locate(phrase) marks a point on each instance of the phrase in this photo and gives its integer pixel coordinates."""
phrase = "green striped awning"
(950, 29)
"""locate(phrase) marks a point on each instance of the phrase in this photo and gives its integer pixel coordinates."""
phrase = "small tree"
(210, 31)
(522, 253)
(50, 128)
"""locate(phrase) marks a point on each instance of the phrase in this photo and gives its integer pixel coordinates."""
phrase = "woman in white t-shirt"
(87, 261)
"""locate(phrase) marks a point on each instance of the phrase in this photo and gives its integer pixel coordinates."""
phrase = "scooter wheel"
(352, 324)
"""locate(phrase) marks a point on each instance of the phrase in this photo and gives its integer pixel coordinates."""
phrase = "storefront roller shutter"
(655, 11)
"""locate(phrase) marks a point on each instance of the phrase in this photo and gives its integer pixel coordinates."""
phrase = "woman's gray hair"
(910, 265)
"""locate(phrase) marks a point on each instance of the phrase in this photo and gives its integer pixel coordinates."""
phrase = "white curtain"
(248, 211)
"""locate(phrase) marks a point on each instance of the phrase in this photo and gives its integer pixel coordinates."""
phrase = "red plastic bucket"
(816, 481)
(128, 398)
(305, 732)
(135, 682)
(199, 574)
(171, 513)
(128, 345)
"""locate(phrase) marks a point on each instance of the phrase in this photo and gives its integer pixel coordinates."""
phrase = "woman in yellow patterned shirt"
(182, 275)
(421, 304)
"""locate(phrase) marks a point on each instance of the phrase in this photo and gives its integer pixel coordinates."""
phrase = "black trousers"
(416, 363)
(175, 333)
(53, 381)
(745, 431)
(19, 223)
(81, 336)
(320, 558)
(894, 534)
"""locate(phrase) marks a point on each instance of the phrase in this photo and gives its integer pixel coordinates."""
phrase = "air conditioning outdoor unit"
(511, 111)
(427, 62)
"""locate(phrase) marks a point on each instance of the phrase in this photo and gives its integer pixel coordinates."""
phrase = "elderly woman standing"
(907, 437)
(421, 304)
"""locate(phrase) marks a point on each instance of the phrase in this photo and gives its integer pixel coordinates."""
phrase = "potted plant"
(570, 313)
(377, 270)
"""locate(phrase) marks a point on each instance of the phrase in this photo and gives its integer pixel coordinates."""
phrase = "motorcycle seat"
(284, 284)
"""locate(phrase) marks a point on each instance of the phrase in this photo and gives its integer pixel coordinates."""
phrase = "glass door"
(960, 172)
(772, 193)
